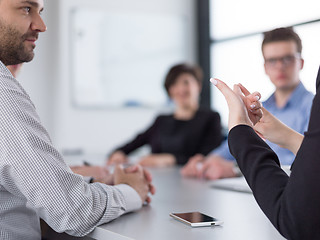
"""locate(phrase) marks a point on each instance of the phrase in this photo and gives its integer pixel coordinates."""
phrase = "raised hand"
(271, 128)
(251, 101)
(243, 109)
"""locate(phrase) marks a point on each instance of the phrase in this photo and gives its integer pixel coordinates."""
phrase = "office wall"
(47, 79)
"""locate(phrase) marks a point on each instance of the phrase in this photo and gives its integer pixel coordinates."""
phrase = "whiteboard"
(121, 60)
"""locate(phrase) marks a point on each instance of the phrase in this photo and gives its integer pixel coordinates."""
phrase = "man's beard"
(12, 48)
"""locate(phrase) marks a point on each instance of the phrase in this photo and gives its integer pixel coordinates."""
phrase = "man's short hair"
(282, 34)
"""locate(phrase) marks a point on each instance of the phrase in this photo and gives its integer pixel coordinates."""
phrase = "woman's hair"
(179, 69)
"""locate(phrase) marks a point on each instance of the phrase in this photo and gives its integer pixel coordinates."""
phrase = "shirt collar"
(295, 97)
(2, 66)
(4, 69)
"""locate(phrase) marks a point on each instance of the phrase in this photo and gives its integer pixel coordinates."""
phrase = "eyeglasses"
(286, 61)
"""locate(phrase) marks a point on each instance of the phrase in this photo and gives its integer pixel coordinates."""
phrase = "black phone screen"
(195, 217)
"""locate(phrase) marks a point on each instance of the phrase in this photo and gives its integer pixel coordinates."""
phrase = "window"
(236, 36)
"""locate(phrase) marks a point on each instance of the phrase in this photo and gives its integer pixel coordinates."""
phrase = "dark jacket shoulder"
(208, 113)
(318, 79)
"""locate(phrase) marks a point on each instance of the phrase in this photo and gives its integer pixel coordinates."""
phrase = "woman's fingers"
(256, 96)
(244, 107)
(237, 109)
(231, 97)
(224, 89)
(255, 106)
(237, 89)
(252, 103)
(252, 97)
(258, 113)
(244, 90)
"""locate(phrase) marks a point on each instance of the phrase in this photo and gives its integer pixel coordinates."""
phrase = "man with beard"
(35, 182)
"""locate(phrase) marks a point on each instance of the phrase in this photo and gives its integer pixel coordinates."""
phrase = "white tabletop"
(240, 213)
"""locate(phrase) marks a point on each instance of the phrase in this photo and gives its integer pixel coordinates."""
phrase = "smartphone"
(196, 219)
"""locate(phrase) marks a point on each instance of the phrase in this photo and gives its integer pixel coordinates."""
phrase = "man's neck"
(282, 95)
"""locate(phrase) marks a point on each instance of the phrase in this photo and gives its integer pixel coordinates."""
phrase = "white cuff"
(131, 197)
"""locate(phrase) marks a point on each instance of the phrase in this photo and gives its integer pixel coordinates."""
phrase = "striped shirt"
(35, 182)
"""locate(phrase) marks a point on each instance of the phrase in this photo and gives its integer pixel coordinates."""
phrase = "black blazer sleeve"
(318, 79)
(212, 137)
(140, 140)
(292, 204)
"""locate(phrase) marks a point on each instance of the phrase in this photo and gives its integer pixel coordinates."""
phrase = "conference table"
(239, 211)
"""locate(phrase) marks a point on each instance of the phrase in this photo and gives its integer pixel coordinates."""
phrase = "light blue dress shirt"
(295, 114)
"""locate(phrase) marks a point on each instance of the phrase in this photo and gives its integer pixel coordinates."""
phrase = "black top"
(292, 204)
(183, 139)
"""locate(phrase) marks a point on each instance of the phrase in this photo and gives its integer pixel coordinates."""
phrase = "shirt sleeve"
(32, 170)
(223, 151)
(292, 203)
(305, 111)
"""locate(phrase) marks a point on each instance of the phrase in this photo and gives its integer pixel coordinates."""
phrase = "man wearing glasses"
(291, 103)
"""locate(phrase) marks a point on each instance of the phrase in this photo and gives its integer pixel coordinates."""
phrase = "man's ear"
(302, 63)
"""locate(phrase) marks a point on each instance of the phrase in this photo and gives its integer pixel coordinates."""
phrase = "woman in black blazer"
(292, 203)
(182, 136)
